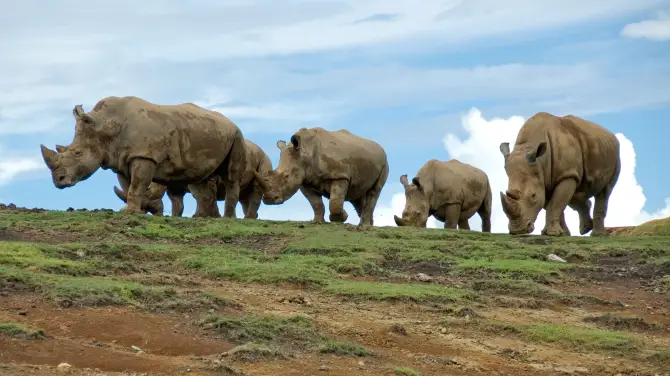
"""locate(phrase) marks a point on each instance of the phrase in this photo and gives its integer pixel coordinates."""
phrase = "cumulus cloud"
(12, 168)
(480, 147)
(656, 29)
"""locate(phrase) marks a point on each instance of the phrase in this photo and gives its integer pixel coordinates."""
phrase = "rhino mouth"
(523, 230)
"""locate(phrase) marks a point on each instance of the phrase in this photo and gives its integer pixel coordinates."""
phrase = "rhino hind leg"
(338, 192)
(251, 202)
(484, 210)
(600, 211)
(583, 207)
(205, 199)
(177, 200)
(371, 197)
(142, 172)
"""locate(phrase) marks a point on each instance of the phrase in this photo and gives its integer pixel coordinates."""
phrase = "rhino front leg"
(560, 198)
(452, 214)
(252, 203)
(316, 201)
(463, 224)
(338, 192)
(141, 173)
(205, 198)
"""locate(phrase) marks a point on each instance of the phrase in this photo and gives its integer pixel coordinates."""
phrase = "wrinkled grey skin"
(451, 191)
(174, 145)
(250, 192)
(559, 162)
(337, 165)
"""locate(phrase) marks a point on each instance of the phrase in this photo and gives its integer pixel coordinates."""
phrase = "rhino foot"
(584, 228)
(553, 231)
(339, 217)
(598, 233)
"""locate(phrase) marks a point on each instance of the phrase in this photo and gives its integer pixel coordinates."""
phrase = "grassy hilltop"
(136, 294)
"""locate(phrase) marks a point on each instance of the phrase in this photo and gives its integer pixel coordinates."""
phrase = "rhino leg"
(371, 198)
(563, 192)
(463, 224)
(564, 225)
(452, 214)
(205, 198)
(600, 211)
(141, 174)
(316, 201)
(338, 192)
(177, 199)
(484, 211)
(252, 202)
(583, 207)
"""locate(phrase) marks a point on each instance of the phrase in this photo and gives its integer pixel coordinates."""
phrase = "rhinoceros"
(250, 192)
(337, 165)
(556, 162)
(154, 203)
(451, 191)
(173, 145)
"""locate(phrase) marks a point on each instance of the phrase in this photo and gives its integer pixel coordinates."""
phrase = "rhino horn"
(61, 148)
(509, 205)
(49, 156)
(399, 221)
(260, 179)
(121, 194)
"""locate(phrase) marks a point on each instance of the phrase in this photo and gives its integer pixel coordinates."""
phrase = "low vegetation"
(424, 283)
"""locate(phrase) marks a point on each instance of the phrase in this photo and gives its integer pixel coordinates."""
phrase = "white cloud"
(481, 149)
(13, 168)
(657, 29)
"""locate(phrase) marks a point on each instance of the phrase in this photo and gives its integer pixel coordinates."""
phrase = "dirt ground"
(128, 341)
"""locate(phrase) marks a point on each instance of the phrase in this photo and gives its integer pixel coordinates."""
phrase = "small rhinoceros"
(250, 192)
(173, 145)
(451, 191)
(337, 165)
(556, 162)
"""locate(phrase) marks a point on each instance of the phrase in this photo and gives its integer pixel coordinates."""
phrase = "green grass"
(397, 291)
(294, 333)
(404, 371)
(16, 330)
(574, 338)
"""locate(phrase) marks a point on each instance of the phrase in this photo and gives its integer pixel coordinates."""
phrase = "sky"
(432, 79)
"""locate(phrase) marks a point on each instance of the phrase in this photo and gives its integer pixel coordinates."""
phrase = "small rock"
(64, 367)
(361, 363)
(324, 368)
(443, 330)
(657, 290)
(553, 257)
(23, 313)
(423, 277)
(137, 349)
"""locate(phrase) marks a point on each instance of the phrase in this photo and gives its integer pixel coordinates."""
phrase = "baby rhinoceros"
(451, 191)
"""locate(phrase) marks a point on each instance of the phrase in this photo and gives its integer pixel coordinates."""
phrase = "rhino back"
(578, 149)
(455, 182)
(186, 141)
(343, 155)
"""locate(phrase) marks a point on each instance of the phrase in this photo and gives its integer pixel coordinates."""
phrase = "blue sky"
(403, 74)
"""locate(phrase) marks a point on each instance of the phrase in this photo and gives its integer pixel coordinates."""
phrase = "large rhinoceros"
(337, 165)
(451, 191)
(173, 145)
(250, 192)
(556, 162)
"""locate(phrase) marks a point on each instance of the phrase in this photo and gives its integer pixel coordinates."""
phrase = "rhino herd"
(154, 149)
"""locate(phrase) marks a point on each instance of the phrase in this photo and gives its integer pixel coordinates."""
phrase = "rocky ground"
(101, 293)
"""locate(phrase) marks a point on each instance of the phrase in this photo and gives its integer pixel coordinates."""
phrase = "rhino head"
(282, 183)
(525, 195)
(417, 206)
(79, 160)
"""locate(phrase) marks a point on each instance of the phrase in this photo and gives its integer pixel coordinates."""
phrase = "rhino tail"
(237, 158)
(485, 209)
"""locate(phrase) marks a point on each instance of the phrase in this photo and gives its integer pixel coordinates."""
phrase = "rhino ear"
(403, 180)
(537, 152)
(281, 144)
(295, 140)
(504, 149)
(79, 114)
(417, 182)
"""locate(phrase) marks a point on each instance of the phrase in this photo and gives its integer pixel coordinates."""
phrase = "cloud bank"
(656, 29)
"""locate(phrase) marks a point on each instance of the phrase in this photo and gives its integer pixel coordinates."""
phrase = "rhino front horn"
(49, 156)
(509, 205)
(398, 221)
(121, 194)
